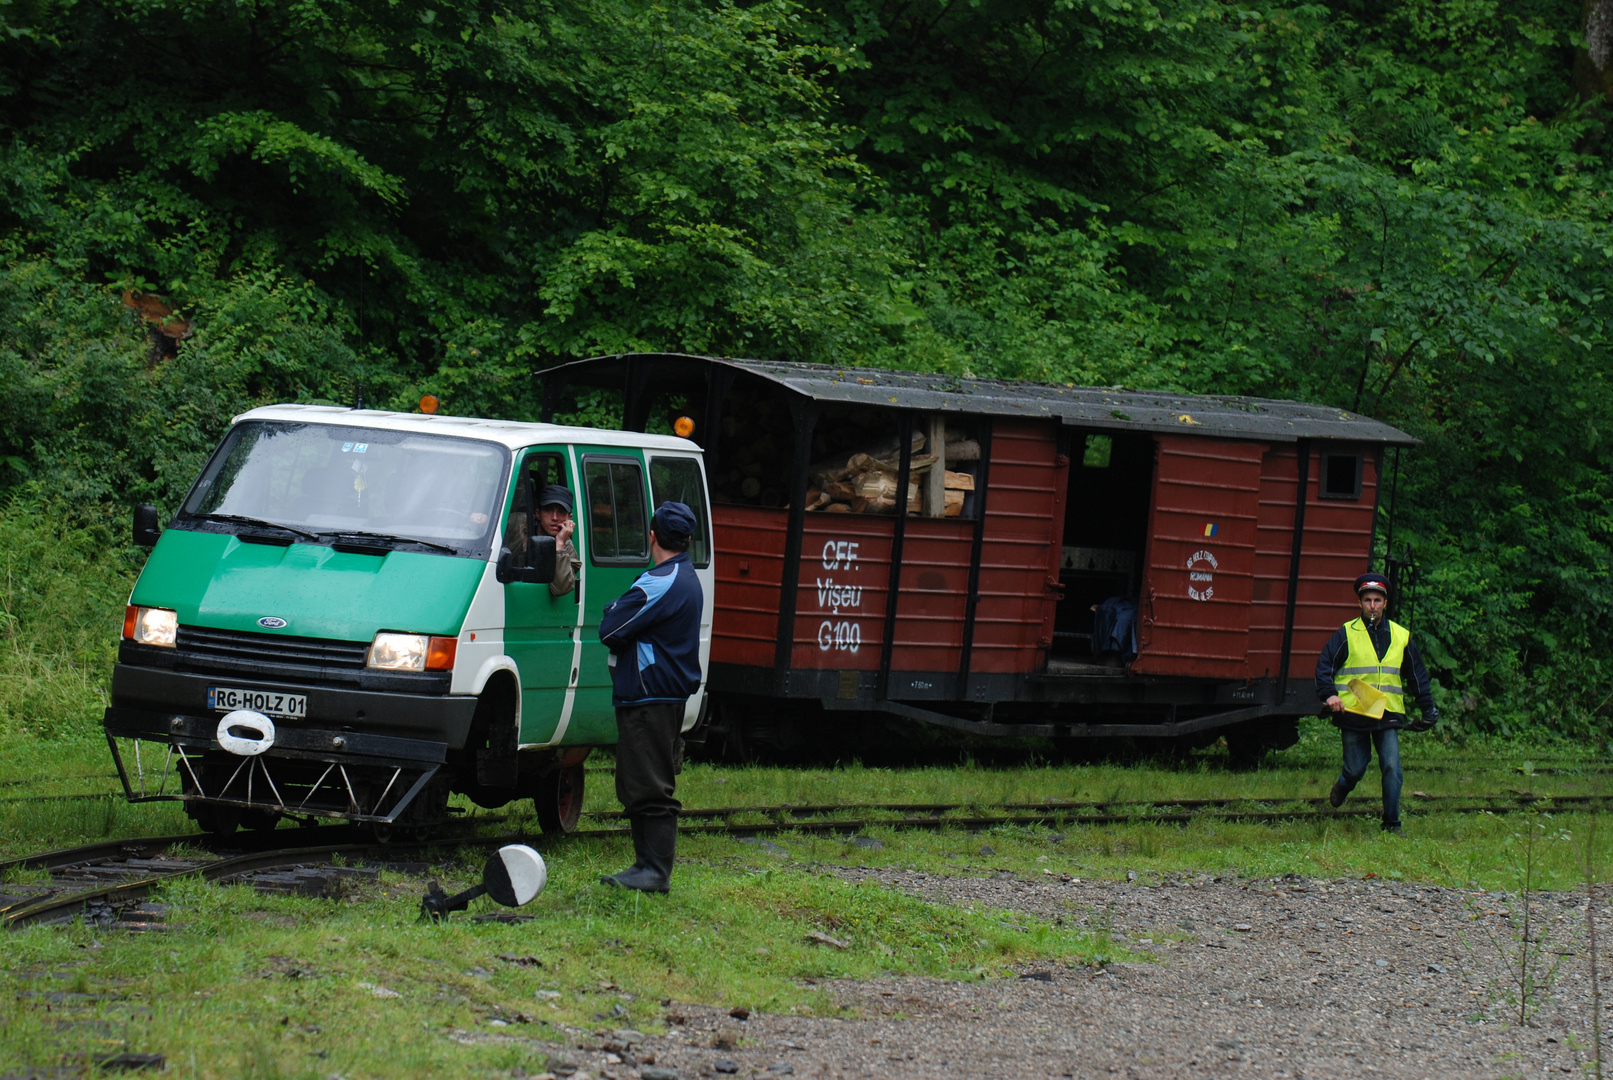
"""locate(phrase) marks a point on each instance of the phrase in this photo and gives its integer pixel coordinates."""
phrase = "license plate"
(267, 702)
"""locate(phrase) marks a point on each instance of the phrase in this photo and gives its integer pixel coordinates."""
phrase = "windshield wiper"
(389, 538)
(240, 519)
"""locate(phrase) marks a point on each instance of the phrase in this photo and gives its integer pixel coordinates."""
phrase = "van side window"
(677, 479)
(618, 526)
(537, 472)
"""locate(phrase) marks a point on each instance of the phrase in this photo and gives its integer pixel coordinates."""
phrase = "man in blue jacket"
(653, 633)
(1380, 654)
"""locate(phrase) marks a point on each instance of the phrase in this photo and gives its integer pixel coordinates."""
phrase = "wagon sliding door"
(1194, 615)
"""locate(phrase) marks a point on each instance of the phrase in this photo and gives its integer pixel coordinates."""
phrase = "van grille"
(203, 644)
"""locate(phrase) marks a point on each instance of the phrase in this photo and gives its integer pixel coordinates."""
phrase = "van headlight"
(411, 652)
(150, 625)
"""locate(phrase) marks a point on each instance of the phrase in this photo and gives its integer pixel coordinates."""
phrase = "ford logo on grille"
(271, 622)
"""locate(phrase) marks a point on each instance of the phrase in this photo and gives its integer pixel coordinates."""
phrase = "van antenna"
(358, 402)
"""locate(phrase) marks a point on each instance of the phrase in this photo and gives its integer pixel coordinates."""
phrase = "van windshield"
(330, 481)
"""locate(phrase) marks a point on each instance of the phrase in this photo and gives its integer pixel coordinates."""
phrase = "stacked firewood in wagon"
(864, 481)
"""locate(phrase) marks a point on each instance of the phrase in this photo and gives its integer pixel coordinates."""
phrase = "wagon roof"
(1221, 416)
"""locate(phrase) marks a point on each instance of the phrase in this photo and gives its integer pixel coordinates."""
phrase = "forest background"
(1400, 208)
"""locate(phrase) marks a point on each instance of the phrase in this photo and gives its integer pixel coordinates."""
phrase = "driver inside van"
(554, 518)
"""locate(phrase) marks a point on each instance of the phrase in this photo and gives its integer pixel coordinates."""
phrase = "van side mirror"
(145, 525)
(515, 875)
(540, 558)
(538, 567)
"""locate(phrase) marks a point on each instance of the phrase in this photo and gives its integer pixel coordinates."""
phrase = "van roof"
(510, 433)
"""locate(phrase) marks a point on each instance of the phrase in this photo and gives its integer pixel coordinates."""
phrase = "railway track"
(139, 866)
(145, 863)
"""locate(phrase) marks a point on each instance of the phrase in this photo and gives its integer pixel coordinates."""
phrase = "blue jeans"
(1358, 747)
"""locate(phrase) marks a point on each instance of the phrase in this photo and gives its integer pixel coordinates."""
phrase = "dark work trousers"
(1358, 747)
(646, 758)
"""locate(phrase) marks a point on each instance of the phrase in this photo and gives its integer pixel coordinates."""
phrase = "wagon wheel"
(221, 821)
(1245, 750)
(260, 820)
(559, 800)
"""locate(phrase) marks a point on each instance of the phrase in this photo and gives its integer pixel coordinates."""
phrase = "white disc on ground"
(527, 872)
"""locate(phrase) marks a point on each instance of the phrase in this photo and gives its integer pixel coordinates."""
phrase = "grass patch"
(255, 986)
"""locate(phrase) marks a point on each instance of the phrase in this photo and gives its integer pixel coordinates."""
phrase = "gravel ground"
(1299, 978)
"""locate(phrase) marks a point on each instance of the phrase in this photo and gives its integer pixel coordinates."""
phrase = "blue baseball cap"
(555, 495)
(674, 519)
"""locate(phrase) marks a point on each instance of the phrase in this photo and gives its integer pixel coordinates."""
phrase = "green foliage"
(63, 583)
(88, 416)
(1400, 209)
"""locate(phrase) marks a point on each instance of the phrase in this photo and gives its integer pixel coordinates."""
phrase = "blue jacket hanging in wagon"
(1114, 628)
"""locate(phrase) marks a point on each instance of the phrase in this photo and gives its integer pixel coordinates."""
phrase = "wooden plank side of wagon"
(750, 566)
(1336, 542)
(841, 595)
(934, 598)
(1338, 546)
(1201, 558)
(1024, 528)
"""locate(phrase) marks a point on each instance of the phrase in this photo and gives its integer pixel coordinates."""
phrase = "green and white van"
(346, 618)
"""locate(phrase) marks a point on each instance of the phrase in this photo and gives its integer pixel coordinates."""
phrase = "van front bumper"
(307, 772)
(445, 719)
(361, 755)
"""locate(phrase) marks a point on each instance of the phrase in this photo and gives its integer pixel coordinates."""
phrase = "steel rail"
(44, 908)
(146, 846)
(60, 907)
(140, 846)
(1070, 808)
(1068, 819)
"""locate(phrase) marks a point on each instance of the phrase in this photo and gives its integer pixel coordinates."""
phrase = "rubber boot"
(655, 842)
(636, 824)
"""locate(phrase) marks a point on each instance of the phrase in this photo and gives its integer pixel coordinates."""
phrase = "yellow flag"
(1370, 701)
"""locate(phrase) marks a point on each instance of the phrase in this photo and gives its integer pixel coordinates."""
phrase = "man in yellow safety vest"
(1364, 674)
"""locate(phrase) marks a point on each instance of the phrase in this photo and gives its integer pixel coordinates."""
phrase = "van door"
(680, 478)
(540, 630)
(615, 553)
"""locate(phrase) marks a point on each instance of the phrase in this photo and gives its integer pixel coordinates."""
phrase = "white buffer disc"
(245, 732)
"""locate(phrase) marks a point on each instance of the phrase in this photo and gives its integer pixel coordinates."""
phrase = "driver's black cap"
(555, 495)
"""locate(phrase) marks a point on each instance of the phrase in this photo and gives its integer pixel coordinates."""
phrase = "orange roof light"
(429, 404)
(683, 426)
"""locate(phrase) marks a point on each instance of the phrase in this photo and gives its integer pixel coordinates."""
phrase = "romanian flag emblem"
(1211, 529)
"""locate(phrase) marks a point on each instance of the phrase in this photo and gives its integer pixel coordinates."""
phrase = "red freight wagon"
(1009, 558)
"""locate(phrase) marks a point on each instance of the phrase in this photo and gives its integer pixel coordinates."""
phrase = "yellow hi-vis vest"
(1363, 663)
